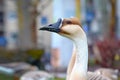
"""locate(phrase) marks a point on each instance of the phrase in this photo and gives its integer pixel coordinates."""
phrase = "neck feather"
(81, 61)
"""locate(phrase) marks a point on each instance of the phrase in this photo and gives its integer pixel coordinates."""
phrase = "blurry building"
(1, 16)
(11, 23)
(3, 41)
(16, 23)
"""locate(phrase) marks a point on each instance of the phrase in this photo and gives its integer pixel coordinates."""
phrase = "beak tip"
(41, 28)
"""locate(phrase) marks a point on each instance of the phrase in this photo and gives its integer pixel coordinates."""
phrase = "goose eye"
(68, 22)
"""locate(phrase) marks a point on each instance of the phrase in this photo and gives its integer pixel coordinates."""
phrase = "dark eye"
(68, 22)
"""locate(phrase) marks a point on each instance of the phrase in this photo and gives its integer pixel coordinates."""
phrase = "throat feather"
(81, 61)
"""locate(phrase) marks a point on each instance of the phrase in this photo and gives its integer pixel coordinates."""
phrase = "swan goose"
(72, 29)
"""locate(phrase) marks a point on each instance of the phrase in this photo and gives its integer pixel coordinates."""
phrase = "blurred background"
(24, 48)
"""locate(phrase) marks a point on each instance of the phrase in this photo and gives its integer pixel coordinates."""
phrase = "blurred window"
(3, 41)
(1, 18)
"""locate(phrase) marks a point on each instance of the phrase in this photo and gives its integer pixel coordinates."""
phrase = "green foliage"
(19, 55)
(91, 62)
(59, 79)
(35, 53)
(6, 77)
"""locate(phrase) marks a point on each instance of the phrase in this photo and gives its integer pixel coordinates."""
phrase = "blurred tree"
(27, 13)
(78, 10)
(35, 11)
(113, 19)
(25, 20)
(34, 14)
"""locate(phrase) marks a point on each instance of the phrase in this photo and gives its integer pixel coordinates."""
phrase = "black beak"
(55, 27)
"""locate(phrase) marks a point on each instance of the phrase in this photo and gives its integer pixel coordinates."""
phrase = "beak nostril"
(50, 25)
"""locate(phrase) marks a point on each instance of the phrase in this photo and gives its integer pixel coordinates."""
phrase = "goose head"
(68, 27)
(72, 29)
